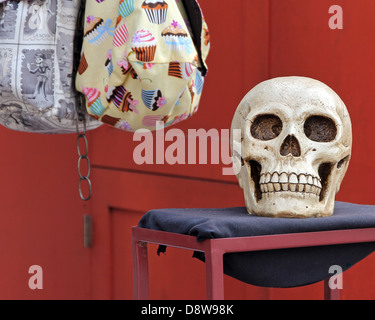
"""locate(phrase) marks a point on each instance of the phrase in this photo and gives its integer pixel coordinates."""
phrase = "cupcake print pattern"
(108, 62)
(96, 30)
(121, 35)
(124, 64)
(199, 81)
(112, 121)
(93, 101)
(126, 8)
(179, 70)
(144, 45)
(176, 37)
(153, 99)
(83, 64)
(139, 63)
(155, 10)
(150, 121)
(122, 99)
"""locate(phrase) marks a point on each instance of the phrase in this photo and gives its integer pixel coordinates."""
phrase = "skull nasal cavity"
(290, 146)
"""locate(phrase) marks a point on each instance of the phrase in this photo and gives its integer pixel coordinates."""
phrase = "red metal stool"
(214, 250)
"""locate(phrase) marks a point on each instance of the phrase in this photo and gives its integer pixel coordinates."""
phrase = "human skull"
(294, 147)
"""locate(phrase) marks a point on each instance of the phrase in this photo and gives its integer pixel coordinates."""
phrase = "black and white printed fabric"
(36, 66)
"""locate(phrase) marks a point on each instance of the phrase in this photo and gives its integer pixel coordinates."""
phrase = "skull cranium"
(295, 144)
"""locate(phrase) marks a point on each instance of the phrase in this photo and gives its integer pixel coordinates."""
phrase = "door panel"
(41, 217)
(120, 198)
(303, 44)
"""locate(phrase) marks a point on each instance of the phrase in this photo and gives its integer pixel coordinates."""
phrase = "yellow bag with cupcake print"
(143, 61)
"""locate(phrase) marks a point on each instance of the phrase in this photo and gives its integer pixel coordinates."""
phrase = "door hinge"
(87, 231)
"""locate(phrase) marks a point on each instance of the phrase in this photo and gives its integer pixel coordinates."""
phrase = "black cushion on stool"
(281, 268)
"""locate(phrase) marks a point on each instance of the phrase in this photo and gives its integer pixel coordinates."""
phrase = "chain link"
(82, 154)
(83, 157)
(80, 114)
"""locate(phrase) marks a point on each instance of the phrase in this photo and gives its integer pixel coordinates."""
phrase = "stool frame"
(214, 249)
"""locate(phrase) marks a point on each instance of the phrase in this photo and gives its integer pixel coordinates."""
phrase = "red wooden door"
(252, 40)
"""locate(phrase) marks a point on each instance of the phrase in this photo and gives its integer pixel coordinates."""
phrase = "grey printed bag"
(36, 66)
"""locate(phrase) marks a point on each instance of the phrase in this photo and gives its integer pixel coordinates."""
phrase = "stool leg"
(214, 275)
(140, 270)
(330, 294)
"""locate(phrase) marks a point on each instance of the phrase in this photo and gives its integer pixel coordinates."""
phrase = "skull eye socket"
(320, 129)
(266, 127)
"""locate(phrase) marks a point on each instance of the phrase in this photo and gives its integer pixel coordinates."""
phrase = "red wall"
(253, 40)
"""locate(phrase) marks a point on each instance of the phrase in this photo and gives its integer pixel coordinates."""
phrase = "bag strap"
(194, 14)
(80, 107)
(78, 40)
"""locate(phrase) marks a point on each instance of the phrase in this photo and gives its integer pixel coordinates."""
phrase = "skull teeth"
(276, 182)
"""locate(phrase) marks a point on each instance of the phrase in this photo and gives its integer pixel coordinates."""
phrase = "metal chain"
(82, 156)
(80, 111)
